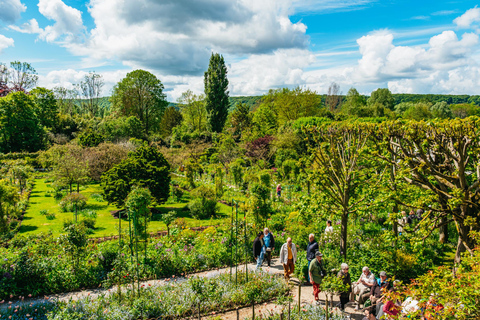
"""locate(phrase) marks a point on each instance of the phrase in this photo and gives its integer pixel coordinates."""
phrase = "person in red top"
(279, 190)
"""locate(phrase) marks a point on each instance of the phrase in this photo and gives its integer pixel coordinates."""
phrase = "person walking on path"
(316, 272)
(258, 249)
(269, 242)
(288, 256)
(345, 276)
(312, 248)
(279, 190)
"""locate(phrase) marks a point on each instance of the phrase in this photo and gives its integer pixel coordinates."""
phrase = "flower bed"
(172, 300)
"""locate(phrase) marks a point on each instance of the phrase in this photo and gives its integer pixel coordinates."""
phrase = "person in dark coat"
(312, 247)
(345, 276)
(258, 249)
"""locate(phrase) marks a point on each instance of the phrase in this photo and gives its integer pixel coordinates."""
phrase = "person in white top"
(329, 227)
(363, 285)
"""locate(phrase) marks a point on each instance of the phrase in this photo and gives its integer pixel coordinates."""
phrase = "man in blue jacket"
(269, 242)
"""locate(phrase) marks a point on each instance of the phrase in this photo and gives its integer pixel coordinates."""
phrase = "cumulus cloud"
(68, 78)
(177, 37)
(10, 10)
(68, 21)
(469, 18)
(29, 27)
(5, 42)
(383, 61)
(261, 72)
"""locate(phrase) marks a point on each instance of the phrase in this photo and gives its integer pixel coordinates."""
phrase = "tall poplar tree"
(216, 92)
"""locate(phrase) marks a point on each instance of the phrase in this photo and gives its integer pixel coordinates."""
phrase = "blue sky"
(408, 46)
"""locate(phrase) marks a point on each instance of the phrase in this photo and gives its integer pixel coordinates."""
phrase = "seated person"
(369, 314)
(363, 285)
(376, 294)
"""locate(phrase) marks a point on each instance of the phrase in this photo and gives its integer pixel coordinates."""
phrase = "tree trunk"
(343, 237)
(443, 238)
(460, 249)
(463, 237)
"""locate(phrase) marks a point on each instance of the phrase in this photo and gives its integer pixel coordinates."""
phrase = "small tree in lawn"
(69, 165)
(75, 242)
(168, 219)
(137, 203)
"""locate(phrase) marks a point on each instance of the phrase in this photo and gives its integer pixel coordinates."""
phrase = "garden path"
(276, 268)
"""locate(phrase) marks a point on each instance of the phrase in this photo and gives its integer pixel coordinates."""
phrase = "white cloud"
(261, 72)
(178, 36)
(10, 10)
(67, 78)
(5, 42)
(29, 27)
(306, 6)
(68, 21)
(469, 18)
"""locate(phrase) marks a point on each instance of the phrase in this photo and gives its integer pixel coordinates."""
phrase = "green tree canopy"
(145, 167)
(382, 96)
(20, 128)
(216, 92)
(140, 94)
(170, 120)
(193, 111)
(45, 106)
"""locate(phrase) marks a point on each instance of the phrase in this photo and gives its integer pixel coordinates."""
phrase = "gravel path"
(276, 268)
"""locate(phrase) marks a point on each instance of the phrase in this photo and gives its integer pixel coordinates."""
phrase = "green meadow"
(42, 198)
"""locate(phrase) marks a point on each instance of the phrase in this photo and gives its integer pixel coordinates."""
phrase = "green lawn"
(34, 222)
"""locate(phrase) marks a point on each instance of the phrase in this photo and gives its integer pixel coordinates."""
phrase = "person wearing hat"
(316, 272)
(376, 294)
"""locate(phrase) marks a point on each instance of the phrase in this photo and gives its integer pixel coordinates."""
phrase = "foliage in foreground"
(172, 299)
(444, 293)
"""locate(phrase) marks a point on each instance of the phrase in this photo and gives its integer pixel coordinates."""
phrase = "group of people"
(408, 219)
(367, 287)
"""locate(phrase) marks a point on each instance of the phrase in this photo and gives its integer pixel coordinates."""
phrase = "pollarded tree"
(443, 158)
(145, 167)
(140, 94)
(339, 161)
(216, 92)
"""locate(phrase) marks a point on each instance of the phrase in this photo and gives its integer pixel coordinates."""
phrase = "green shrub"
(89, 223)
(203, 208)
(89, 213)
(50, 216)
(73, 202)
(91, 139)
(43, 212)
(96, 197)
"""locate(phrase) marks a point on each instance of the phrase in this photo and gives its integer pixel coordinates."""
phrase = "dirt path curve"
(276, 268)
